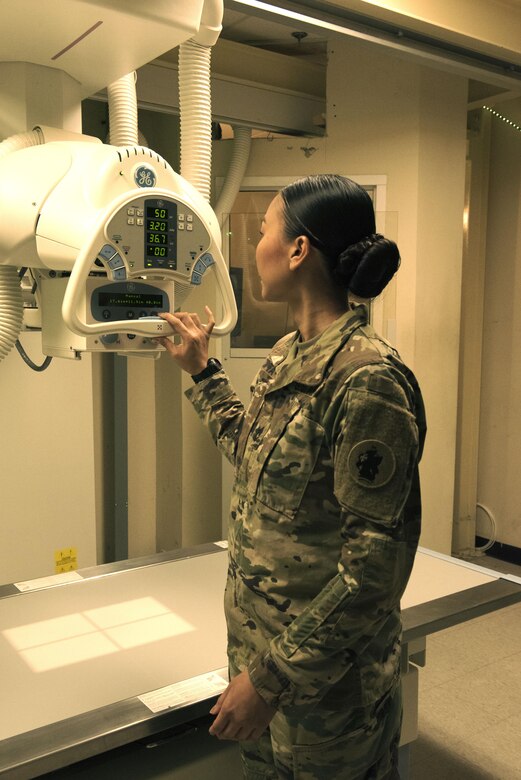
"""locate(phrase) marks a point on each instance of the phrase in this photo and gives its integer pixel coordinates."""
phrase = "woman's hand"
(241, 713)
(192, 353)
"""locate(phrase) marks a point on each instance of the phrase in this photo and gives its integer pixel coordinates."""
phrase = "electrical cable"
(492, 540)
(46, 363)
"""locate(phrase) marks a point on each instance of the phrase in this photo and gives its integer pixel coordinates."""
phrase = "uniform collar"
(310, 368)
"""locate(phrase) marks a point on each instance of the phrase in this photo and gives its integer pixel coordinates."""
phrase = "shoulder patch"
(371, 463)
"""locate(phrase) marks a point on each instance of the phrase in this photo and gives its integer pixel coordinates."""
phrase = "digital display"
(141, 300)
(160, 239)
(127, 300)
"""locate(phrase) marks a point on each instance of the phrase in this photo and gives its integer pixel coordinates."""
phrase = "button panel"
(201, 266)
(164, 235)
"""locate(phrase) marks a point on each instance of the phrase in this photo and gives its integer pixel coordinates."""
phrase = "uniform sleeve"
(221, 411)
(375, 449)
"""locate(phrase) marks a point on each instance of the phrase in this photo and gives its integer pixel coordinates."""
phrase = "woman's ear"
(299, 251)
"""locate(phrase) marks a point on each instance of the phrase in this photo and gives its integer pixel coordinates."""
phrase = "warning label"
(66, 560)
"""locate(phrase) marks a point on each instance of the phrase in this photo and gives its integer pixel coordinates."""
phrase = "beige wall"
(47, 480)
(438, 292)
(500, 421)
(471, 341)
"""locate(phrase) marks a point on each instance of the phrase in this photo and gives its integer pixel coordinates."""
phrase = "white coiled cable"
(493, 533)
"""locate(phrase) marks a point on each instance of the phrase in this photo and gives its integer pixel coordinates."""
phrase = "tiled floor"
(470, 698)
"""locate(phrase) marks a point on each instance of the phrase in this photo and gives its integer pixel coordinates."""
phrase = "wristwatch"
(212, 367)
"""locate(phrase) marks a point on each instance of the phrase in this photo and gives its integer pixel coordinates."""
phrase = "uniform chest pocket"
(285, 462)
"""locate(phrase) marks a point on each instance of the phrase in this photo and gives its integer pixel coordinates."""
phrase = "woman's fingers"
(176, 321)
(191, 350)
(185, 322)
(168, 345)
(211, 320)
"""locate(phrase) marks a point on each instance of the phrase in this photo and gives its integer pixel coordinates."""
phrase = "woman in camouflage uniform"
(325, 514)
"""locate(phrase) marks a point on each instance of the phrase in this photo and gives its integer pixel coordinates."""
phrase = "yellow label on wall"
(66, 560)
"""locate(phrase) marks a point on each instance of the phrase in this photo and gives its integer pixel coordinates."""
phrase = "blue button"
(207, 259)
(195, 278)
(200, 267)
(119, 274)
(116, 262)
(107, 252)
(109, 338)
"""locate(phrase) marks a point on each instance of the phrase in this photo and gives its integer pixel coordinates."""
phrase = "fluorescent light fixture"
(304, 18)
(447, 57)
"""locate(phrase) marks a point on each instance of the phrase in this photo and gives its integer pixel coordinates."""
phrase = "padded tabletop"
(76, 655)
(70, 649)
(435, 576)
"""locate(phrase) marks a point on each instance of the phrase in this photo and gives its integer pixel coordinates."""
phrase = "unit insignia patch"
(371, 463)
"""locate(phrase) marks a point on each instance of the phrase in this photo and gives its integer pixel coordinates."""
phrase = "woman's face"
(273, 254)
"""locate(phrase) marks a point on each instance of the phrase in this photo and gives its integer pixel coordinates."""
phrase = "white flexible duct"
(11, 309)
(236, 171)
(11, 299)
(123, 111)
(142, 140)
(196, 115)
(195, 100)
(21, 141)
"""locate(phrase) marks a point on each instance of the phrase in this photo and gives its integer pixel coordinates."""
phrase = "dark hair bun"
(366, 267)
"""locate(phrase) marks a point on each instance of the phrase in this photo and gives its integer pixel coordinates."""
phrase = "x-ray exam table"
(118, 654)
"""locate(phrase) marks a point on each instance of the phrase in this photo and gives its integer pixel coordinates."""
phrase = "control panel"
(159, 237)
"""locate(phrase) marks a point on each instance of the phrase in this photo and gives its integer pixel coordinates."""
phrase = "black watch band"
(212, 367)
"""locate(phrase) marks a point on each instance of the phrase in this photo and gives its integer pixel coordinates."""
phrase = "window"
(262, 323)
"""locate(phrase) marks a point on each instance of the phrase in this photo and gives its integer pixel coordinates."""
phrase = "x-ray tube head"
(114, 218)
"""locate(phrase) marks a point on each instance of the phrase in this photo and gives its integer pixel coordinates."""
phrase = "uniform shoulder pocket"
(375, 455)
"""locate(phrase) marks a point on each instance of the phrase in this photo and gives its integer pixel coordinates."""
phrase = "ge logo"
(145, 177)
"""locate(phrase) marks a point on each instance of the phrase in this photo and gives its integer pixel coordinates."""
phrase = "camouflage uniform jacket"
(325, 515)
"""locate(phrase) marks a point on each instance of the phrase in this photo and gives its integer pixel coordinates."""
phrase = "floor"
(470, 698)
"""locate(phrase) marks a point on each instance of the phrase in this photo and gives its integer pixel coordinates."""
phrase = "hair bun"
(368, 266)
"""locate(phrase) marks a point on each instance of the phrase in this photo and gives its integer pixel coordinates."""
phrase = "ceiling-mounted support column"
(33, 95)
